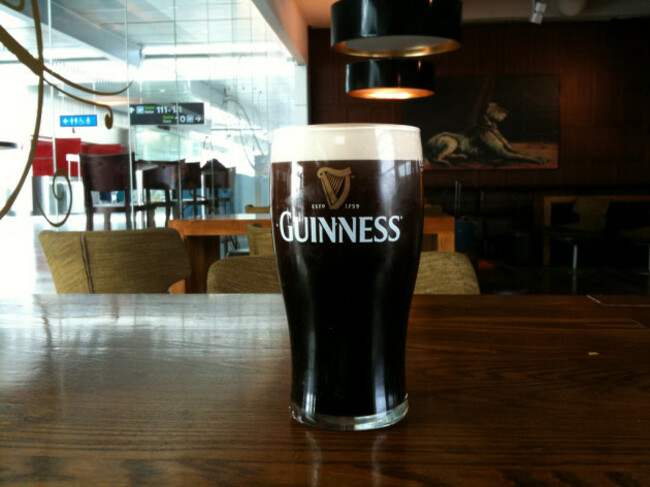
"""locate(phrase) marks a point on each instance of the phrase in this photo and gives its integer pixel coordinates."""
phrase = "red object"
(43, 161)
(63, 148)
(43, 164)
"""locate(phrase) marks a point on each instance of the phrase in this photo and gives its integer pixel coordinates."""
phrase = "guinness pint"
(346, 208)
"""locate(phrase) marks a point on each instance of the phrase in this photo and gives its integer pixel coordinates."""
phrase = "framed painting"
(495, 122)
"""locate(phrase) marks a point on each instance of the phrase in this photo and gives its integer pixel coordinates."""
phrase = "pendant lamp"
(396, 28)
(389, 79)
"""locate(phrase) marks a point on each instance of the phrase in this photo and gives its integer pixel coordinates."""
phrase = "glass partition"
(197, 83)
(212, 74)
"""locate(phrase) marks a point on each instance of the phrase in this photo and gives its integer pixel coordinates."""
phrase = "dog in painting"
(483, 142)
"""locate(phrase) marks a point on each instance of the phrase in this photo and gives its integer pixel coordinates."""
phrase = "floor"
(24, 270)
(499, 278)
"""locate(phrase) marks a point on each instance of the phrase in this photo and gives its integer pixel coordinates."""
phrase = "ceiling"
(101, 23)
(234, 28)
(317, 12)
(105, 24)
(88, 32)
(222, 45)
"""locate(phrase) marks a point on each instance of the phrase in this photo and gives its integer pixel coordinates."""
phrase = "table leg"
(546, 251)
(202, 252)
(446, 241)
(429, 243)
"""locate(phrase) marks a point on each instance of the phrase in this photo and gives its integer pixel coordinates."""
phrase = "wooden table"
(201, 237)
(193, 390)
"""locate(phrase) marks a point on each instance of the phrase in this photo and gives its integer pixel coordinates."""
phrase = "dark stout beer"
(347, 233)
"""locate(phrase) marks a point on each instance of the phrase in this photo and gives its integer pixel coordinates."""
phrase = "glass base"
(351, 423)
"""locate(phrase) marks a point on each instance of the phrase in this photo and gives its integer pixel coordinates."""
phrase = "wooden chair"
(590, 227)
(433, 210)
(131, 261)
(191, 181)
(439, 273)
(106, 173)
(255, 274)
(158, 176)
(260, 239)
(218, 185)
(446, 273)
(172, 178)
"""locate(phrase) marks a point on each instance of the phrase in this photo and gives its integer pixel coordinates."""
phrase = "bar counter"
(194, 390)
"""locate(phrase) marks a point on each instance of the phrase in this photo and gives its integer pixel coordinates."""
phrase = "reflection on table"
(193, 390)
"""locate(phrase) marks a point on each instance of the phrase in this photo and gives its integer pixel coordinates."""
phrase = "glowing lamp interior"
(390, 93)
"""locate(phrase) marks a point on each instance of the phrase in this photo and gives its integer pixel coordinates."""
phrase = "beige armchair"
(260, 239)
(245, 274)
(439, 273)
(446, 273)
(259, 210)
(130, 261)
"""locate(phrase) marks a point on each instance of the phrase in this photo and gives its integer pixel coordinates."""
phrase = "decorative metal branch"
(37, 66)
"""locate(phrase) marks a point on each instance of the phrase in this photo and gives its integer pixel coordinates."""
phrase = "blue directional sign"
(78, 120)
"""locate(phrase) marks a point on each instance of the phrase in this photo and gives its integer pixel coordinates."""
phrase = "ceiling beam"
(68, 23)
(287, 22)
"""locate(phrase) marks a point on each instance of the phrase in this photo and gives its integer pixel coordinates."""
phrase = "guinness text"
(359, 229)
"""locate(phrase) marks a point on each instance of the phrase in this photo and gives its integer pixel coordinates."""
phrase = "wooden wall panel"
(604, 70)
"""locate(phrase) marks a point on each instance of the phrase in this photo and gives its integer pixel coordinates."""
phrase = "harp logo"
(336, 185)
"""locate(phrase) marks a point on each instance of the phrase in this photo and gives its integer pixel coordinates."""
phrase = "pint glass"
(346, 211)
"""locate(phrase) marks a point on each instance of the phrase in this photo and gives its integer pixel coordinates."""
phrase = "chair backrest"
(159, 174)
(105, 172)
(446, 273)
(190, 176)
(260, 210)
(219, 186)
(246, 274)
(215, 180)
(215, 175)
(128, 261)
(439, 273)
(92, 148)
(260, 239)
(165, 175)
(433, 210)
(592, 212)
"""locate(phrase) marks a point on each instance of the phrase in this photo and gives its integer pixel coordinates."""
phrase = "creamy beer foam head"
(346, 142)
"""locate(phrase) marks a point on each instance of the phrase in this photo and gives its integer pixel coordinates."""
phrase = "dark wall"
(604, 70)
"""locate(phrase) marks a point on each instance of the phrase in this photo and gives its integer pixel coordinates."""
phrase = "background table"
(202, 238)
(193, 390)
(202, 241)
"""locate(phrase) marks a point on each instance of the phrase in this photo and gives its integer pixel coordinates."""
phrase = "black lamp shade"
(396, 28)
(390, 79)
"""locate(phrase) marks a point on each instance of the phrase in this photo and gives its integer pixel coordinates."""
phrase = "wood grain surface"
(193, 390)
